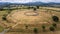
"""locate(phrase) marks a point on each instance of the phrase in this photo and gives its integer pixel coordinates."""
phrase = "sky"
(26, 1)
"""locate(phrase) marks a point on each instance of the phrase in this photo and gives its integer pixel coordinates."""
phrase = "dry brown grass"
(44, 17)
(24, 19)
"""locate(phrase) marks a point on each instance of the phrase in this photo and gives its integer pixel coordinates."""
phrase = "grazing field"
(23, 21)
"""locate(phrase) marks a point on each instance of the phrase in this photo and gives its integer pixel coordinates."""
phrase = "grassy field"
(44, 17)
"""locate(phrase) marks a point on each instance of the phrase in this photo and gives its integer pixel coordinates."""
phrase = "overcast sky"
(25, 1)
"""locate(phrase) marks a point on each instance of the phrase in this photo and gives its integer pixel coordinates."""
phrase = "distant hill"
(34, 3)
(52, 4)
(41, 4)
(4, 4)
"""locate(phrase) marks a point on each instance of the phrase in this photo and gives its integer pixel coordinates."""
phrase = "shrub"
(34, 9)
(54, 25)
(26, 26)
(35, 30)
(9, 11)
(4, 17)
(1, 9)
(37, 7)
(43, 27)
(55, 18)
(52, 28)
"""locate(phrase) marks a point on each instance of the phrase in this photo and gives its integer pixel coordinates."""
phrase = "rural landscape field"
(29, 16)
(26, 20)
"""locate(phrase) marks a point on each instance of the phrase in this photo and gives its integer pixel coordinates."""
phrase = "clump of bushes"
(35, 30)
(34, 9)
(52, 28)
(26, 26)
(10, 10)
(4, 17)
(55, 18)
(43, 27)
(1, 9)
(54, 25)
(37, 7)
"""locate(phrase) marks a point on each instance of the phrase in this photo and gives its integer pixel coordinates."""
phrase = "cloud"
(25, 1)
(50, 0)
(19, 1)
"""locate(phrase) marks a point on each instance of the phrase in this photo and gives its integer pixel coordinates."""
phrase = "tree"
(35, 30)
(52, 28)
(54, 25)
(43, 27)
(34, 9)
(26, 26)
(28, 7)
(9, 11)
(55, 18)
(37, 7)
(1, 9)
(4, 17)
